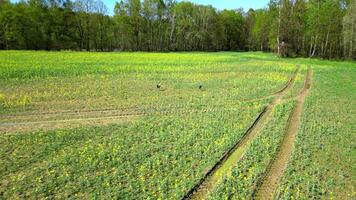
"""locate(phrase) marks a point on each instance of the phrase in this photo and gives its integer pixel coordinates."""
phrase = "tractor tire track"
(123, 111)
(278, 165)
(22, 126)
(68, 116)
(177, 110)
(208, 183)
(73, 120)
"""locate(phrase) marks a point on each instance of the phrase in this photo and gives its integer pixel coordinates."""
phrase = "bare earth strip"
(122, 110)
(231, 157)
(17, 125)
(280, 163)
(36, 117)
(9, 128)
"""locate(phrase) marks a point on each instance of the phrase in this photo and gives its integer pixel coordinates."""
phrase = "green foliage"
(14, 101)
(349, 29)
(260, 28)
(232, 27)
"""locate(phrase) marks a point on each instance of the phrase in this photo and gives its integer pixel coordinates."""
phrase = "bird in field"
(158, 86)
(200, 86)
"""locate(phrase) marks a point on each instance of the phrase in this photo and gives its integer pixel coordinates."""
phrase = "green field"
(96, 125)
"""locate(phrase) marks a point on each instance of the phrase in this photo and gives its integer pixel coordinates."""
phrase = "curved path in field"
(231, 157)
(108, 112)
(280, 163)
(65, 118)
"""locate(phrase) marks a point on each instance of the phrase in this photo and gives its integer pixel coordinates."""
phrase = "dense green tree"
(260, 30)
(232, 25)
(324, 27)
(5, 9)
(349, 31)
(249, 24)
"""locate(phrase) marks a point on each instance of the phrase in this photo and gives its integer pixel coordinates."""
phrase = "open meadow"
(139, 125)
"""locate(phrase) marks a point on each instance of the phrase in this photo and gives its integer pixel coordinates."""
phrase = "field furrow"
(230, 158)
(279, 164)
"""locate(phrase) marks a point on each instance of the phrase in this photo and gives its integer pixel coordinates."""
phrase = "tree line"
(310, 28)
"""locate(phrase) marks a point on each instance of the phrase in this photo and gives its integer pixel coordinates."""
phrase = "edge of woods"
(200, 191)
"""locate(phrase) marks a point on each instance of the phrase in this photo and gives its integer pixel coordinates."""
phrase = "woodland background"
(313, 28)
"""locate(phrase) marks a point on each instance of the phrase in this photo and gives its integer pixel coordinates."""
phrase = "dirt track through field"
(280, 163)
(22, 122)
(81, 114)
(49, 122)
(224, 166)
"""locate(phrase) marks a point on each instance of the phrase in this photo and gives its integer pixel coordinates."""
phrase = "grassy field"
(96, 125)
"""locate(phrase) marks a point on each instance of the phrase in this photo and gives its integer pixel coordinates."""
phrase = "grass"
(165, 155)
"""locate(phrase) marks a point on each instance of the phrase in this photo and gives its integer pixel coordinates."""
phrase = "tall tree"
(260, 30)
(349, 31)
(232, 25)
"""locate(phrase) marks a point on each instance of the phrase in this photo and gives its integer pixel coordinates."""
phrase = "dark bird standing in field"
(200, 87)
(158, 86)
